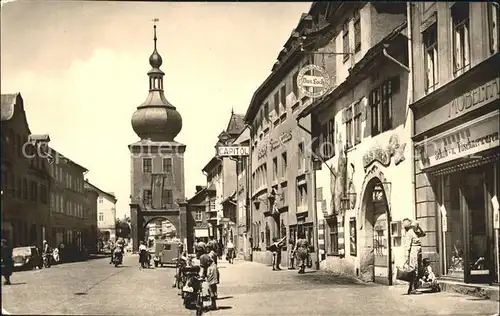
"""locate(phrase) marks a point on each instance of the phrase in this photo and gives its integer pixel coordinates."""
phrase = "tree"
(122, 229)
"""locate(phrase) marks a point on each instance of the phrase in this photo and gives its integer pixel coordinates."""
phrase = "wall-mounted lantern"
(346, 201)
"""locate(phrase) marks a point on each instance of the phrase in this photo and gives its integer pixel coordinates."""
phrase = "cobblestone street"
(247, 288)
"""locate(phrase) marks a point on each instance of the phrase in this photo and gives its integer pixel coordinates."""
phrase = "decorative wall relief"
(383, 155)
(285, 137)
(262, 151)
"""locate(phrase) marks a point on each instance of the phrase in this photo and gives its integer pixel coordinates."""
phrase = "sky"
(81, 68)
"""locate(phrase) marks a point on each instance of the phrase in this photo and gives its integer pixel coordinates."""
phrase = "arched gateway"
(374, 228)
(157, 160)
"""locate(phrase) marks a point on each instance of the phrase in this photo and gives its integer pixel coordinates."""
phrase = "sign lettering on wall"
(475, 98)
(480, 96)
(471, 139)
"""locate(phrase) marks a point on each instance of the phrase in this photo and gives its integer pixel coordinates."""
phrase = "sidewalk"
(249, 288)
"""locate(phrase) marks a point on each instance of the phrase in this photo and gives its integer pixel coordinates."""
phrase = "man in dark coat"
(7, 263)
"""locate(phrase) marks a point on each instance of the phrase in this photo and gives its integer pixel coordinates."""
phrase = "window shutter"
(458, 56)
(363, 108)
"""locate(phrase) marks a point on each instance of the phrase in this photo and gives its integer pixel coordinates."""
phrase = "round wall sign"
(313, 81)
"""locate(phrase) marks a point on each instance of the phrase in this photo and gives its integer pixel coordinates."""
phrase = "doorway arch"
(374, 229)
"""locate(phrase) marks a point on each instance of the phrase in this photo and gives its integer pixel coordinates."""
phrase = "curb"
(482, 291)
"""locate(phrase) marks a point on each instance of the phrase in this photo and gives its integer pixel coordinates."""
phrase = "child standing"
(213, 280)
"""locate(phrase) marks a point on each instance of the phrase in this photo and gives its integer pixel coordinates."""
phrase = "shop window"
(474, 197)
(381, 105)
(454, 233)
(333, 245)
(430, 57)
(357, 32)
(493, 27)
(147, 165)
(461, 38)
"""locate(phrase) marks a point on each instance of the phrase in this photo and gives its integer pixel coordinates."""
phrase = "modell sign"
(231, 151)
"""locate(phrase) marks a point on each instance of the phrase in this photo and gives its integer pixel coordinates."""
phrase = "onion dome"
(156, 119)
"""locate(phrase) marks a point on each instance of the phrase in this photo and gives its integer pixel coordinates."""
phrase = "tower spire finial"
(155, 20)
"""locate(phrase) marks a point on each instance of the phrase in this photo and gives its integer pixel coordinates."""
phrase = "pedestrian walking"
(230, 252)
(413, 252)
(7, 262)
(291, 254)
(220, 249)
(302, 251)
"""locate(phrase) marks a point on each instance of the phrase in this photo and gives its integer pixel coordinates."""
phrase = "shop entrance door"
(477, 239)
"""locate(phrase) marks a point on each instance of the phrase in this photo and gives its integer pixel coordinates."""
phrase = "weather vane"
(155, 20)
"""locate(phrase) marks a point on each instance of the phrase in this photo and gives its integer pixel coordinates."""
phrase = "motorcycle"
(47, 260)
(117, 258)
(192, 292)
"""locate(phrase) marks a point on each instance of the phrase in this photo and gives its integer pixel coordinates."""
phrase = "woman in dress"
(413, 252)
(302, 251)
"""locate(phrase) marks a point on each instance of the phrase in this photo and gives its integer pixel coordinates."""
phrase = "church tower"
(157, 160)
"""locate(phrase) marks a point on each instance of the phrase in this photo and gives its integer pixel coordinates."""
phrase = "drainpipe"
(248, 202)
(400, 64)
(411, 122)
(314, 203)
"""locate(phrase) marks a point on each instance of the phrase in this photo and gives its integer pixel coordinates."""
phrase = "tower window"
(167, 165)
(147, 197)
(147, 165)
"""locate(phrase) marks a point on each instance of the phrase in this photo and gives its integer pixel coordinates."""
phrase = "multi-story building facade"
(222, 180)
(25, 179)
(361, 129)
(106, 212)
(243, 216)
(281, 172)
(456, 130)
(90, 233)
(197, 217)
(67, 201)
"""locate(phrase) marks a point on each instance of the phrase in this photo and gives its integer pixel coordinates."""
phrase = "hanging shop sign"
(201, 232)
(474, 137)
(313, 81)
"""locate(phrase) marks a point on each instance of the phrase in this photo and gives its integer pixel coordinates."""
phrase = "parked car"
(26, 258)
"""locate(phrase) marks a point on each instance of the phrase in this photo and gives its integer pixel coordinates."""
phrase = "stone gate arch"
(375, 262)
